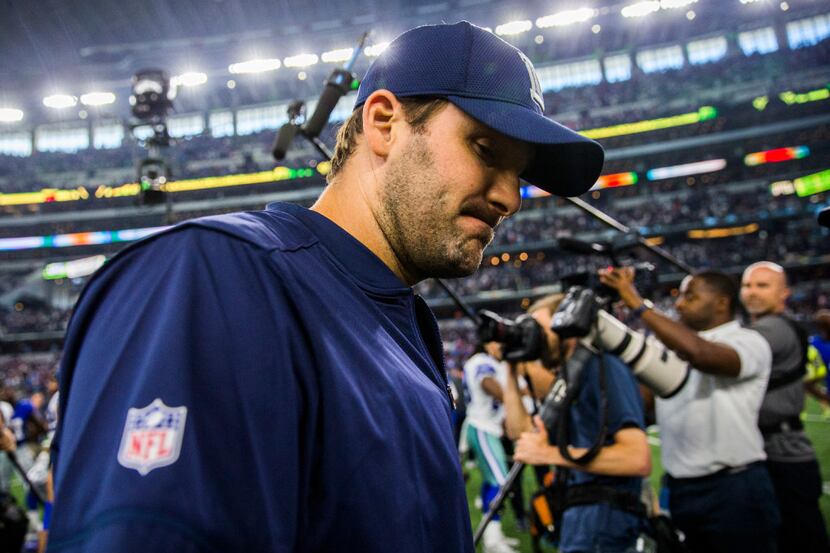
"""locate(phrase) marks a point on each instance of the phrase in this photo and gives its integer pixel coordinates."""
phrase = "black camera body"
(521, 339)
(645, 279)
(576, 313)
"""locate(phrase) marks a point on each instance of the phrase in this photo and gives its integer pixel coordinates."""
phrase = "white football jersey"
(483, 410)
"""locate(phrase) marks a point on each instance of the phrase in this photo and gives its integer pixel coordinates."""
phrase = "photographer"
(720, 494)
(601, 510)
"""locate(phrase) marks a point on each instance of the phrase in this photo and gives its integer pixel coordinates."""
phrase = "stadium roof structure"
(73, 47)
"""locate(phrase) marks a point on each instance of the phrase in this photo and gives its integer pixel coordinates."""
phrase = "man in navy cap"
(261, 381)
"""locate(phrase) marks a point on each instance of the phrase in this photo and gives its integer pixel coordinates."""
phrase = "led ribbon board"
(605, 181)
(73, 269)
(704, 113)
(789, 97)
(776, 156)
(615, 179)
(722, 232)
(77, 239)
(812, 184)
(49, 195)
(686, 169)
(44, 196)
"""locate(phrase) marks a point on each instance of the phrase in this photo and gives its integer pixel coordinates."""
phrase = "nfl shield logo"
(152, 437)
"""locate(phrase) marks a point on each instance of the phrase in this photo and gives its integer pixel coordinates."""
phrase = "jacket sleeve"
(188, 404)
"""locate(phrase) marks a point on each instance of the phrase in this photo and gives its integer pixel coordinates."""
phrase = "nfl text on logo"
(152, 437)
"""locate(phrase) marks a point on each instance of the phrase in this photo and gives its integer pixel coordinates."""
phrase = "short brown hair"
(417, 109)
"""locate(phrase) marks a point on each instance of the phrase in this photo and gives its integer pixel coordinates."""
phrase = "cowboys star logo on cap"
(152, 437)
(535, 86)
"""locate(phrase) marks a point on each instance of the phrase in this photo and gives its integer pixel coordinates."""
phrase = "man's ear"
(380, 112)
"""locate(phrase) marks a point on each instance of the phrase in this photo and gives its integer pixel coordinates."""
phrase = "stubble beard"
(419, 225)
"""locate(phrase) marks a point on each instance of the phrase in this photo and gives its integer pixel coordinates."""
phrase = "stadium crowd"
(580, 107)
(720, 223)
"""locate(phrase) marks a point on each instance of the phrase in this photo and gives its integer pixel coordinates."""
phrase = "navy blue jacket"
(316, 414)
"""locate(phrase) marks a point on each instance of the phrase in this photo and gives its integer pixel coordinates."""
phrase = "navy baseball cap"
(494, 83)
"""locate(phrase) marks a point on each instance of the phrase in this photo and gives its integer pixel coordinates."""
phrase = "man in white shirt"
(720, 494)
(485, 378)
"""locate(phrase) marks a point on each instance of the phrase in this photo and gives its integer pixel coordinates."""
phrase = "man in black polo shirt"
(791, 459)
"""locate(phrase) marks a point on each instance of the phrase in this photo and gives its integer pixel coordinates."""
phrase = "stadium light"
(10, 115)
(97, 98)
(60, 101)
(191, 78)
(565, 18)
(337, 56)
(640, 9)
(255, 66)
(514, 27)
(674, 4)
(375, 50)
(300, 60)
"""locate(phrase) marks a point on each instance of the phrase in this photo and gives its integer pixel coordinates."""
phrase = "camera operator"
(720, 494)
(791, 459)
(601, 506)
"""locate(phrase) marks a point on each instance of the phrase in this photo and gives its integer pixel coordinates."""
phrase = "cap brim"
(824, 217)
(566, 163)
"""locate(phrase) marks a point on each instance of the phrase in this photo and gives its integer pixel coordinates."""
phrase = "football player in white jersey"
(485, 377)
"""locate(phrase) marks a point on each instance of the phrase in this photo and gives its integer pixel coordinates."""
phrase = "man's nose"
(505, 193)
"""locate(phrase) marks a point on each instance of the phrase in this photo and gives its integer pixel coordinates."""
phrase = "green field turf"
(817, 427)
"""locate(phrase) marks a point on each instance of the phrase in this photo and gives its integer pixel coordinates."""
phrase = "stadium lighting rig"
(566, 18)
(648, 7)
(10, 115)
(514, 27)
(255, 66)
(374, 50)
(97, 98)
(301, 60)
(337, 56)
(189, 79)
(675, 4)
(60, 101)
(640, 9)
